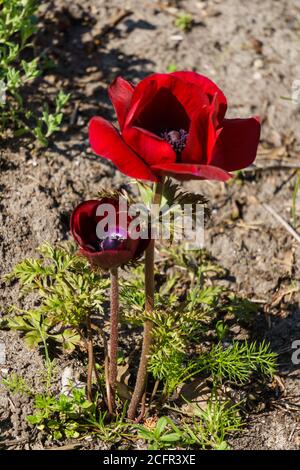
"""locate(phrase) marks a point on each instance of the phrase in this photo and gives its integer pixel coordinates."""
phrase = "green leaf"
(161, 424)
(172, 437)
(57, 435)
(145, 434)
(18, 23)
(174, 195)
(69, 339)
(61, 100)
(146, 193)
(30, 69)
(222, 446)
(32, 339)
(35, 419)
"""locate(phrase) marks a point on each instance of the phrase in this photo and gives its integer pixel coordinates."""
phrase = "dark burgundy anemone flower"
(116, 249)
(175, 125)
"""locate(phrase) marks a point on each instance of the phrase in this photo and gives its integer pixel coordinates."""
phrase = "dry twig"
(283, 222)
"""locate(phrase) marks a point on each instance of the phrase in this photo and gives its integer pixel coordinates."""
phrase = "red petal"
(152, 148)
(184, 171)
(83, 221)
(108, 259)
(142, 96)
(212, 131)
(202, 134)
(162, 101)
(195, 151)
(120, 93)
(107, 142)
(236, 145)
(83, 227)
(207, 86)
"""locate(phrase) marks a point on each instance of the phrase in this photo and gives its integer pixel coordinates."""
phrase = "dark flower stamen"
(177, 139)
(112, 242)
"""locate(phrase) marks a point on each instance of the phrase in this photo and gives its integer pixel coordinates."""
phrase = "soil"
(252, 50)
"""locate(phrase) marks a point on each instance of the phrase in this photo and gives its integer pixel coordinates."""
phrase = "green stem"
(48, 361)
(148, 325)
(90, 351)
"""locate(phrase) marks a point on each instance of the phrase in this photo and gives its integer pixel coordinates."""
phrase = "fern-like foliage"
(173, 194)
(172, 208)
(211, 426)
(187, 306)
(237, 362)
(193, 263)
(133, 296)
(68, 291)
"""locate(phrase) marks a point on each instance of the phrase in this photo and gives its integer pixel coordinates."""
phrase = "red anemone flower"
(116, 248)
(174, 124)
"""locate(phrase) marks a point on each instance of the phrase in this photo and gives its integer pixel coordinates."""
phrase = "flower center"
(177, 139)
(112, 242)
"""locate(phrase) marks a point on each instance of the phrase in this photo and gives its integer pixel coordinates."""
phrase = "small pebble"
(176, 37)
(66, 380)
(258, 64)
(257, 76)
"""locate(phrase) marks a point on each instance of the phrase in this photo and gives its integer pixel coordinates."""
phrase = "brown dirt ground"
(252, 50)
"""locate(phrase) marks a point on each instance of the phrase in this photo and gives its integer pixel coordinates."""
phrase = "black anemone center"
(177, 139)
(112, 242)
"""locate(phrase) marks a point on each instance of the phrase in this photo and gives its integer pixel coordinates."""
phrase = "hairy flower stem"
(113, 344)
(90, 351)
(148, 325)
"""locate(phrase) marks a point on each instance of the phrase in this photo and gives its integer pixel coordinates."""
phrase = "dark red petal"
(236, 145)
(113, 258)
(142, 246)
(120, 93)
(195, 151)
(107, 142)
(212, 131)
(83, 222)
(152, 148)
(184, 171)
(202, 134)
(207, 86)
(142, 96)
(108, 259)
(162, 101)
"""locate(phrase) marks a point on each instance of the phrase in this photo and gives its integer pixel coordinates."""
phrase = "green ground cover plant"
(18, 70)
(69, 292)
